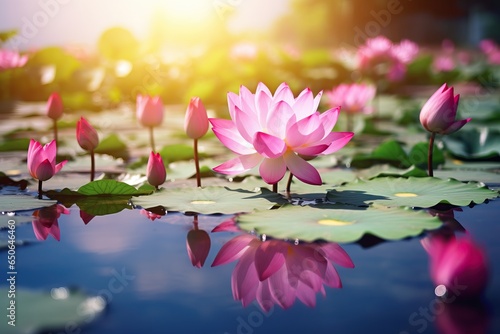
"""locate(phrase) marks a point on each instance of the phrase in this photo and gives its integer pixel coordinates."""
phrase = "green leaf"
(337, 223)
(412, 192)
(389, 152)
(475, 143)
(9, 203)
(113, 146)
(98, 206)
(40, 311)
(419, 153)
(107, 187)
(211, 200)
(16, 144)
(387, 170)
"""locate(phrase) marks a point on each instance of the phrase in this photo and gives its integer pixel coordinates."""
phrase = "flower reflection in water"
(197, 244)
(279, 272)
(45, 221)
(458, 266)
(459, 270)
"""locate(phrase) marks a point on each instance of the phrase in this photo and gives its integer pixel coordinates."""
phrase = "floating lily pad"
(475, 143)
(39, 311)
(10, 203)
(387, 170)
(7, 181)
(211, 200)
(412, 192)
(337, 223)
(470, 175)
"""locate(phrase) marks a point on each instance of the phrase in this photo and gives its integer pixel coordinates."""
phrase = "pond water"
(142, 269)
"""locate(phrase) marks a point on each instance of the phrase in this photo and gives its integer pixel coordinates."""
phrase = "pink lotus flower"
(11, 59)
(439, 112)
(45, 221)
(278, 272)
(443, 63)
(458, 264)
(86, 135)
(149, 110)
(196, 121)
(198, 246)
(42, 160)
(353, 98)
(55, 106)
(155, 171)
(277, 131)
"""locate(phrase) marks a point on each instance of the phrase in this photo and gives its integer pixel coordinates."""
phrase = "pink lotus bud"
(439, 112)
(55, 106)
(196, 121)
(86, 135)
(149, 110)
(198, 247)
(42, 160)
(155, 171)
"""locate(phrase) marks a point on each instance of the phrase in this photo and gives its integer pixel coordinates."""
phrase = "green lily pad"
(16, 144)
(337, 223)
(388, 170)
(40, 311)
(9, 203)
(475, 143)
(7, 181)
(98, 206)
(113, 146)
(211, 200)
(469, 175)
(108, 187)
(412, 192)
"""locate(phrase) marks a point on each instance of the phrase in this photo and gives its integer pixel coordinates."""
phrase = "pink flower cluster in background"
(353, 98)
(491, 50)
(11, 59)
(386, 58)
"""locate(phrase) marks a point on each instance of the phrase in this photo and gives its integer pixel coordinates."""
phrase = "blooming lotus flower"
(149, 110)
(155, 171)
(277, 131)
(196, 121)
(278, 272)
(353, 98)
(45, 221)
(11, 59)
(439, 112)
(55, 106)
(42, 160)
(198, 246)
(458, 264)
(86, 135)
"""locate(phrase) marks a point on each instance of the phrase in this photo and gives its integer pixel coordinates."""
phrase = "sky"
(58, 22)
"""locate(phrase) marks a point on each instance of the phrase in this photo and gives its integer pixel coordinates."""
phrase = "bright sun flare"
(190, 11)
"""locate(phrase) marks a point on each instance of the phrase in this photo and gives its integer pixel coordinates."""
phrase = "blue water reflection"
(155, 281)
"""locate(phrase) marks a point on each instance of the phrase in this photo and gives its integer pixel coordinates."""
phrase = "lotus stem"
(92, 165)
(275, 187)
(429, 156)
(195, 222)
(40, 189)
(197, 163)
(152, 139)
(55, 134)
(289, 183)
